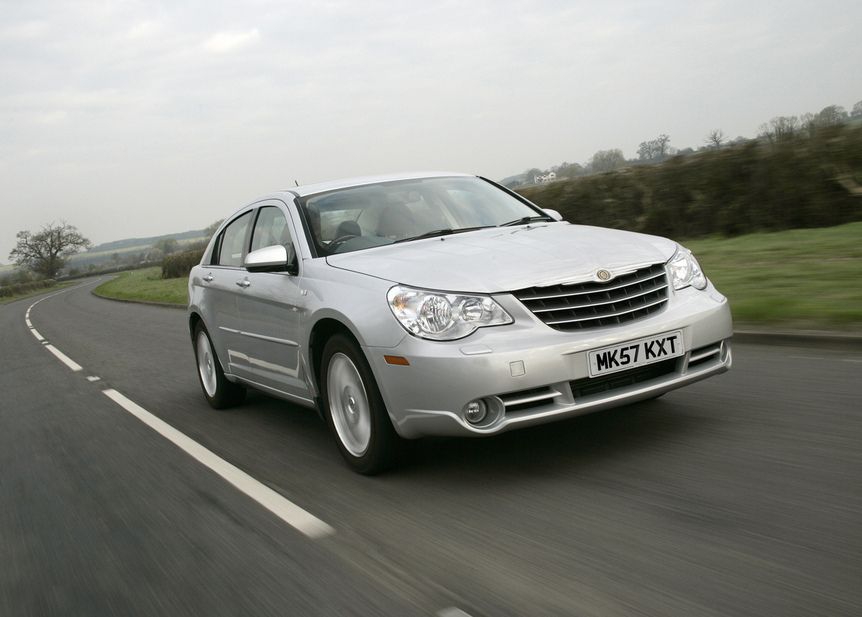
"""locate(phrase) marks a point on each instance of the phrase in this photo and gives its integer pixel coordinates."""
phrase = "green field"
(805, 279)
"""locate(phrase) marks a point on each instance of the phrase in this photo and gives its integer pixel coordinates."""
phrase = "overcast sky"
(135, 118)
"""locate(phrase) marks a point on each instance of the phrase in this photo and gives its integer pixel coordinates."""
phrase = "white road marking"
(452, 612)
(64, 358)
(60, 355)
(287, 511)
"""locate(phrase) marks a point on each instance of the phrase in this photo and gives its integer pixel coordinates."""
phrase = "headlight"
(443, 317)
(685, 270)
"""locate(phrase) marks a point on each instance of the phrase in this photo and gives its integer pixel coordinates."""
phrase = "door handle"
(208, 278)
(244, 283)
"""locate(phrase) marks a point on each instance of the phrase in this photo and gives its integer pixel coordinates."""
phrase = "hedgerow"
(801, 183)
(19, 289)
(180, 264)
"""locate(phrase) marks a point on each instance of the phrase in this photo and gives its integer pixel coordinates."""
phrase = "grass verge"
(145, 285)
(803, 278)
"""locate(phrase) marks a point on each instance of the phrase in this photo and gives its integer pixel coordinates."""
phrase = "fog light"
(476, 411)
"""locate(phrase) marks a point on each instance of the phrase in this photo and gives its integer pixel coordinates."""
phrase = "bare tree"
(48, 251)
(662, 148)
(808, 122)
(655, 149)
(715, 139)
(646, 150)
(607, 160)
(780, 128)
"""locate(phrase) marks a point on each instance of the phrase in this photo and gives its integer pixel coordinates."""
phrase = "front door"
(270, 312)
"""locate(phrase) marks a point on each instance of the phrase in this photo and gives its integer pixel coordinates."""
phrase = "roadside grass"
(804, 278)
(145, 285)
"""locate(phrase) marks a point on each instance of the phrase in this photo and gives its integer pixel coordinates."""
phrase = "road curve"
(739, 495)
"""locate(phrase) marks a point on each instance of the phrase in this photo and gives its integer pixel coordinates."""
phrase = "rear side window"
(231, 243)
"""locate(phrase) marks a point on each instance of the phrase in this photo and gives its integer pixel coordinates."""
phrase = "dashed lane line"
(287, 511)
(283, 508)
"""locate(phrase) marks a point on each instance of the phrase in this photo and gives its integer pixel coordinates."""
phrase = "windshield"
(366, 216)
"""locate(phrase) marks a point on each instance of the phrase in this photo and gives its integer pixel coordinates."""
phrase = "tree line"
(811, 180)
(659, 149)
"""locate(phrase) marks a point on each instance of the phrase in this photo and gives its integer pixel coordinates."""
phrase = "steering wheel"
(336, 244)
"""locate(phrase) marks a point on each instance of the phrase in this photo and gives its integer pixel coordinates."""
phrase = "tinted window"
(232, 239)
(270, 229)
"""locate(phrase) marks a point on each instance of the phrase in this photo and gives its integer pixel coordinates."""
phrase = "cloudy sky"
(134, 118)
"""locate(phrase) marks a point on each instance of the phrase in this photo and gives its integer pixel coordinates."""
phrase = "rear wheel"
(219, 392)
(355, 410)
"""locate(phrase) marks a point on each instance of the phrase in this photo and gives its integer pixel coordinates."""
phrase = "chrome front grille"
(582, 306)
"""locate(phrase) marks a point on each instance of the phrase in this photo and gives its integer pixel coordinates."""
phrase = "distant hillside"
(129, 251)
(513, 181)
(119, 245)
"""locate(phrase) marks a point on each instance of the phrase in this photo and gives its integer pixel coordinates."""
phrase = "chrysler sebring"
(443, 304)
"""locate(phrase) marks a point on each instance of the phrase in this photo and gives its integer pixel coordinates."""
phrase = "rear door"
(219, 280)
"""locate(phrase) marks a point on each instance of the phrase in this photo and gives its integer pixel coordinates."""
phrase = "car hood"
(508, 258)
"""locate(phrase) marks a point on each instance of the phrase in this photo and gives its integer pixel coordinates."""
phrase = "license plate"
(635, 353)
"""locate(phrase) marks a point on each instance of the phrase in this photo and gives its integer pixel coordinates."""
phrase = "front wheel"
(219, 392)
(354, 409)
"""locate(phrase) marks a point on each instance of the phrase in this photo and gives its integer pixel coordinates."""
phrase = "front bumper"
(527, 373)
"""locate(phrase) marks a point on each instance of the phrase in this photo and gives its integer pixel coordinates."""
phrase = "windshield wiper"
(441, 232)
(528, 219)
(429, 234)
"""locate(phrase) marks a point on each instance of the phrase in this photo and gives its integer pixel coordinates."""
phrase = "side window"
(231, 244)
(271, 228)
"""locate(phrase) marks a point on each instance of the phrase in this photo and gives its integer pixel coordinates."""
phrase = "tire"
(355, 411)
(219, 392)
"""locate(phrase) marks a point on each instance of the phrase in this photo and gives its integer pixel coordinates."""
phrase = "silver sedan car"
(443, 304)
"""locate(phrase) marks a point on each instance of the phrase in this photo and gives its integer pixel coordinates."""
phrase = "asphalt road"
(740, 495)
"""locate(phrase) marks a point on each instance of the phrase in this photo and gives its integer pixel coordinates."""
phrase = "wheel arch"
(322, 331)
(194, 318)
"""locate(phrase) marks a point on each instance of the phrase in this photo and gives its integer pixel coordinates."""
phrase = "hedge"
(19, 289)
(180, 264)
(802, 183)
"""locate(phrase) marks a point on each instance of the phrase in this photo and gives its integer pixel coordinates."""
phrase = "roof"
(322, 187)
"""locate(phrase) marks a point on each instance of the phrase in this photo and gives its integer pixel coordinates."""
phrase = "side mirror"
(275, 258)
(553, 214)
